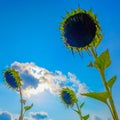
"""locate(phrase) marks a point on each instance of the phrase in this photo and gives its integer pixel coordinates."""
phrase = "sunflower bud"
(68, 97)
(12, 78)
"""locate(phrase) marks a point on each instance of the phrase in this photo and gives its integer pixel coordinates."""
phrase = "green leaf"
(101, 96)
(86, 117)
(111, 82)
(76, 111)
(82, 104)
(103, 61)
(26, 108)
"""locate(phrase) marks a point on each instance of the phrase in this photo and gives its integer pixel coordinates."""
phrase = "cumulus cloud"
(109, 119)
(95, 117)
(4, 115)
(39, 115)
(37, 79)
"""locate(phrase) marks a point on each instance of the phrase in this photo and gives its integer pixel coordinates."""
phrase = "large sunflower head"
(80, 30)
(12, 78)
(68, 97)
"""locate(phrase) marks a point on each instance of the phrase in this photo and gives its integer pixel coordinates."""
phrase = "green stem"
(112, 106)
(80, 114)
(21, 112)
(111, 110)
(110, 96)
(24, 113)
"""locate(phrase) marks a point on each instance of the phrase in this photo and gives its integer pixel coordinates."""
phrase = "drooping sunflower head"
(68, 97)
(12, 78)
(80, 30)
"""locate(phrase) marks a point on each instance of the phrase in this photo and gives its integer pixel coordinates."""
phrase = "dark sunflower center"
(11, 80)
(79, 30)
(67, 98)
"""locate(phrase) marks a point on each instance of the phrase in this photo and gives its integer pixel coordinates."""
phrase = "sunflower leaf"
(76, 111)
(103, 61)
(101, 96)
(86, 117)
(82, 104)
(111, 82)
(26, 108)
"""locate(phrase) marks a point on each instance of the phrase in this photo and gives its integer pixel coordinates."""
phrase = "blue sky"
(30, 39)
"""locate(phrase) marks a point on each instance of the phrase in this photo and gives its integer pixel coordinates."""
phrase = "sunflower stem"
(79, 111)
(111, 111)
(21, 112)
(111, 106)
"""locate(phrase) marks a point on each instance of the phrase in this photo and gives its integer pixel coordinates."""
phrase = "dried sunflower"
(68, 97)
(80, 30)
(12, 78)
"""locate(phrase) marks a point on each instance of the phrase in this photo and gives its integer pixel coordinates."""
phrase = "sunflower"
(80, 30)
(12, 78)
(68, 97)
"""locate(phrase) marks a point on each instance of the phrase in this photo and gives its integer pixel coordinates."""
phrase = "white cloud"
(95, 117)
(76, 85)
(109, 119)
(4, 115)
(37, 79)
(39, 115)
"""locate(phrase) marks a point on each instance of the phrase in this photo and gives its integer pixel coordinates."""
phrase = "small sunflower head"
(80, 30)
(12, 78)
(68, 97)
